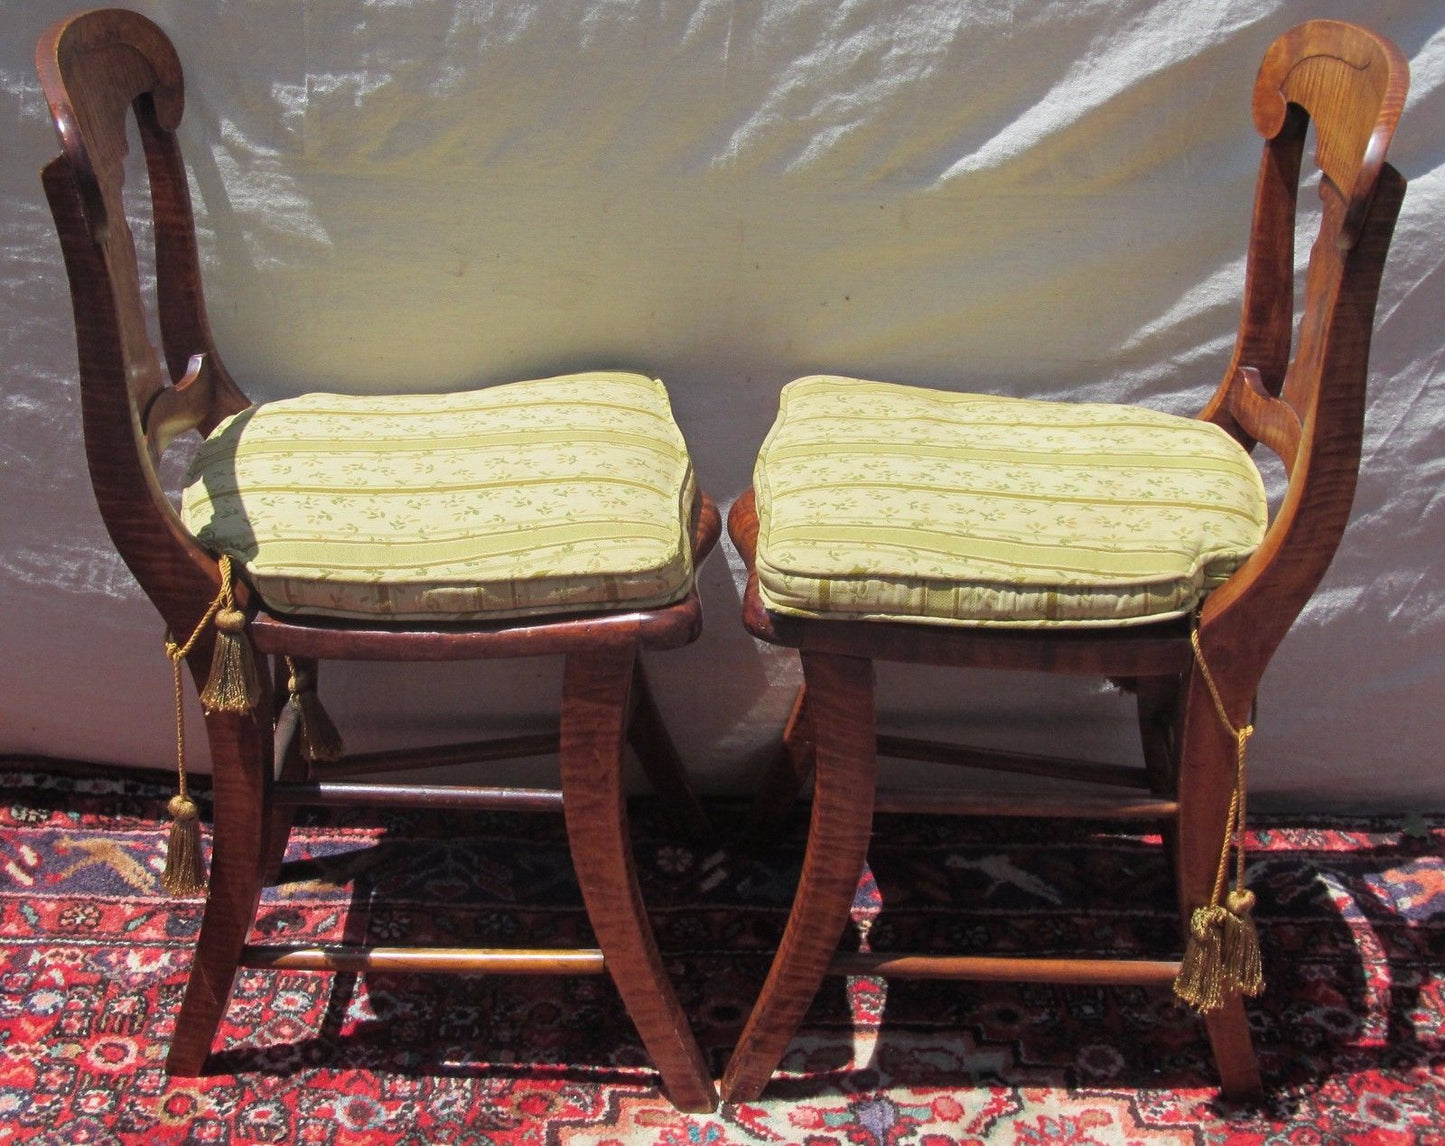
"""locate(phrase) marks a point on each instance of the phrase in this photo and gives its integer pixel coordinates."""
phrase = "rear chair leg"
(291, 766)
(595, 689)
(658, 756)
(783, 779)
(1158, 712)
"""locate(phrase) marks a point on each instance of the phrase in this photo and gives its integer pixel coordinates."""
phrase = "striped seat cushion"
(559, 495)
(880, 501)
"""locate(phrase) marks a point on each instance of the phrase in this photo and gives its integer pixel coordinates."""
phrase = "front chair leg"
(1206, 780)
(840, 704)
(241, 767)
(595, 689)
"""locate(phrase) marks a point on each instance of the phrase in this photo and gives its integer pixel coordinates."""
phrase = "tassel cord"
(1221, 955)
(184, 872)
(177, 653)
(1234, 823)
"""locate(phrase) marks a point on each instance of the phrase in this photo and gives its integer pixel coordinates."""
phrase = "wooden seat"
(846, 577)
(524, 595)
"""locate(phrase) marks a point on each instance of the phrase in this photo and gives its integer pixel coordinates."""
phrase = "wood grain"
(594, 727)
(840, 702)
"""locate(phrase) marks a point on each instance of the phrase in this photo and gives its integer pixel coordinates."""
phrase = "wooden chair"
(596, 585)
(897, 524)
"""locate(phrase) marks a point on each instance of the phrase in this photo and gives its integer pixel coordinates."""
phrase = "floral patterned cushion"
(563, 494)
(892, 502)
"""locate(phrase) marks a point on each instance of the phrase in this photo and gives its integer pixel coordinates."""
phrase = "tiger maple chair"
(498, 545)
(900, 524)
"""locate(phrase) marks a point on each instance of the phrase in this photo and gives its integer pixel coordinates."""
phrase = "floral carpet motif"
(93, 960)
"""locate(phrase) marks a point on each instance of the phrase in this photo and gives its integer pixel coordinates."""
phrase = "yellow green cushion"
(558, 495)
(886, 502)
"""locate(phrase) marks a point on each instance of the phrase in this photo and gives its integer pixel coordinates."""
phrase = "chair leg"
(1233, 1048)
(662, 765)
(595, 691)
(1158, 710)
(1158, 703)
(241, 758)
(783, 779)
(290, 766)
(840, 701)
(798, 740)
(1206, 780)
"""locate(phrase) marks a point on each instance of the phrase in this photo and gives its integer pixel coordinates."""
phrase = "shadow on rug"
(93, 959)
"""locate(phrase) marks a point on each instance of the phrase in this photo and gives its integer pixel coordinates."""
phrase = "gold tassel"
(185, 870)
(234, 684)
(320, 741)
(1221, 956)
(1243, 970)
(1200, 981)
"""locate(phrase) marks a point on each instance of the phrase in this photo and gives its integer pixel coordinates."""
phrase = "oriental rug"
(93, 959)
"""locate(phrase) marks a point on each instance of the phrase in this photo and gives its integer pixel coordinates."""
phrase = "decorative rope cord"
(233, 686)
(1221, 956)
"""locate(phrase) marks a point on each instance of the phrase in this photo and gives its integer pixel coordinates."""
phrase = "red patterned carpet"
(93, 959)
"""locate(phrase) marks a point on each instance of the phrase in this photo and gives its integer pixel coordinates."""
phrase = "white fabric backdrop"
(1034, 199)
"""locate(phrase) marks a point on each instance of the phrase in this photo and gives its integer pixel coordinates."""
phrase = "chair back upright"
(96, 68)
(1308, 407)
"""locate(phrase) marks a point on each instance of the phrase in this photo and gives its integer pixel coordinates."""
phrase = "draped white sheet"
(1028, 198)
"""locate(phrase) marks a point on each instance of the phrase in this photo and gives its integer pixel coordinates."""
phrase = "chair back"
(1300, 388)
(95, 68)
